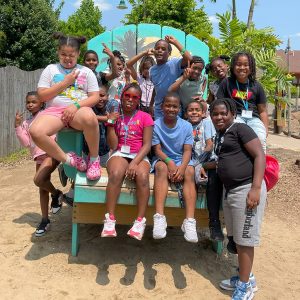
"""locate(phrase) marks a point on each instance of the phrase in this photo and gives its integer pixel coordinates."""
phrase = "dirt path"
(122, 268)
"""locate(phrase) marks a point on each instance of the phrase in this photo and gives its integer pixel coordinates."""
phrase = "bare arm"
(186, 56)
(114, 67)
(46, 94)
(263, 115)
(255, 150)
(112, 139)
(208, 145)
(176, 85)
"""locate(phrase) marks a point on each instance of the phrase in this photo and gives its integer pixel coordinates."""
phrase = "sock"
(92, 159)
(68, 160)
(111, 217)
(139, 219)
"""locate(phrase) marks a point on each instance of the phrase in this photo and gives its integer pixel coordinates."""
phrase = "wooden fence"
(14, 85)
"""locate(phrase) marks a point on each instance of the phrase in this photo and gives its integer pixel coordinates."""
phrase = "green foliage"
(25, 30)
(86, 21)
(15, 157)
(236, 37)
(180, 14)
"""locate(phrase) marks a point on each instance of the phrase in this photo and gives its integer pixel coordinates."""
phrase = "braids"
(72, 41)
(131, 85)
(117, 54)
(144, 60)
(229, 103)
(252, 65)
(223, 58)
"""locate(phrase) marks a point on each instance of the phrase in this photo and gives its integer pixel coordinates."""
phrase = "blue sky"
(281, 15)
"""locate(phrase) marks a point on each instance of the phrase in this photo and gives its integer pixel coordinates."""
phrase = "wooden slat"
(88, 213)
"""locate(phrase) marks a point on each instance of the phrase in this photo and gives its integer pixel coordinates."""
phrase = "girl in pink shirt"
(130, 138)
(45, 165)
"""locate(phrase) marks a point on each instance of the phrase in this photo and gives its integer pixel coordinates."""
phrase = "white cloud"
(102, 4)
(213, 19)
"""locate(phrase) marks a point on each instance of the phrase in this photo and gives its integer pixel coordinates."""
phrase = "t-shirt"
(136, 125)
(173, 139)
(256, 94)
(85, 83)
(162, 77)
(235, 164)
(116, 87)
(201, 132)
(147, 87)
(190, 88)
(214, 87)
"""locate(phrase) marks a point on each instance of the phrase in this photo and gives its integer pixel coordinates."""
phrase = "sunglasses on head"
(131, 96)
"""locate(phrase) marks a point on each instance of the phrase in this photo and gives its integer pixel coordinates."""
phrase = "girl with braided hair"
(247, 93)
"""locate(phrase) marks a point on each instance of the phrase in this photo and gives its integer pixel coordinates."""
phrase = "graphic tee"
(85, 83)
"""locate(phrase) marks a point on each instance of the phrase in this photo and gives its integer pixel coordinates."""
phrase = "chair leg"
(75, 239)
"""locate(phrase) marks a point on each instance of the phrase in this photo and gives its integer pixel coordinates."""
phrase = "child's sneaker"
(137, 230)
(77, 162)
(230, 284)
(56, 202)
(109, 227)
(189, 228)
(243, 291)
(159, 226)
(42, 228)
(94, 170)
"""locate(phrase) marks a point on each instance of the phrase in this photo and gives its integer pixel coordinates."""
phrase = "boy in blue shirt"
(172, 142)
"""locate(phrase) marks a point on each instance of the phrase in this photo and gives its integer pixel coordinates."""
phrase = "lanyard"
(220, 140)
(126, 126)
(246, 104)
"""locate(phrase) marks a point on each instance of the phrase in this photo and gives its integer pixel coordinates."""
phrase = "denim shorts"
(258, 126)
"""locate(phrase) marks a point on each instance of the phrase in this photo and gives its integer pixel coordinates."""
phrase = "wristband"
(167, 160)
(77, 104)
(110, 121)
(182, 51)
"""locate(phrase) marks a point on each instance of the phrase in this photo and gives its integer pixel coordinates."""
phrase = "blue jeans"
(258, 126)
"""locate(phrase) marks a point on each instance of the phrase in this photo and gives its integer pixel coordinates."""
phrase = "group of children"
(190, 146)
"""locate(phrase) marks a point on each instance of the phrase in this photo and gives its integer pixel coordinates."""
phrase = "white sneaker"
(137, 230)
(109, 227)
(159, 226)
(189, 228)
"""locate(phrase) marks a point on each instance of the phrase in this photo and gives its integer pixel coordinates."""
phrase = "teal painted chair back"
(132, 39)
(70, 140)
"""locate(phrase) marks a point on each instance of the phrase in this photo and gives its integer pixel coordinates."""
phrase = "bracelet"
(77, 104)
(167, 160)
(182, 51)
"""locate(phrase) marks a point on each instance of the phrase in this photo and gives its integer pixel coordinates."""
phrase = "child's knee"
(116, 176)
(189, 173)
(161, 169)
(142, 179)
(88, 117)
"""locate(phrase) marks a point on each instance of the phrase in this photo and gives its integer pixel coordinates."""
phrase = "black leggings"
(214, 191)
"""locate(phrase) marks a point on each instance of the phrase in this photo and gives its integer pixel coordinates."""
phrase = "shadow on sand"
(105, 252)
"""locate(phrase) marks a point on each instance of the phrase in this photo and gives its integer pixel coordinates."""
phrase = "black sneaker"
(215, 229)
(231, 245)
(62, 175)
(56, 202)
(42, 228)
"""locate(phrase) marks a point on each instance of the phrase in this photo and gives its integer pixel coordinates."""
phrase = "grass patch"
(15, 156)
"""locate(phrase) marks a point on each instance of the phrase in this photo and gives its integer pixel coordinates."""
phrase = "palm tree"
(250, 15)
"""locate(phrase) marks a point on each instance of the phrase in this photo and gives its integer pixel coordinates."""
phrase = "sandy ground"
(122, 268)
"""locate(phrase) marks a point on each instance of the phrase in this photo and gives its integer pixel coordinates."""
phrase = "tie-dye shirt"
(85, 83)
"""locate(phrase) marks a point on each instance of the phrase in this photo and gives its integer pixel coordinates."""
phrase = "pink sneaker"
(77, 162)
(94, 170)
(137, 230)
(109, 227)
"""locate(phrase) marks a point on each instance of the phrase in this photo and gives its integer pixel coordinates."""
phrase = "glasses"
(130, 96)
